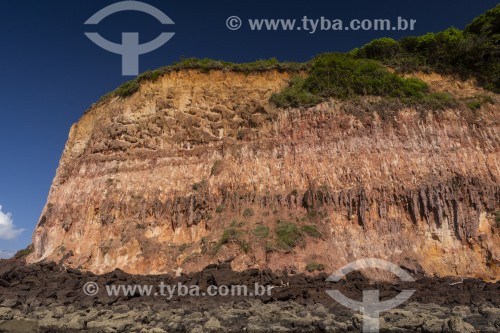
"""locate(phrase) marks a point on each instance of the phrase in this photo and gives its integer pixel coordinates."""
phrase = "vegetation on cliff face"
(344, 76)
(205, 65)
(472, 53)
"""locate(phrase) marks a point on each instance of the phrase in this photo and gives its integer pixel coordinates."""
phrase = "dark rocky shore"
(50, 298)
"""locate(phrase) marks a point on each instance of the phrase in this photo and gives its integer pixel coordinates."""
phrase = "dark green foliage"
(288, 234)
(434, 101)
(476, 102)
(382, 48)
(474, 105)
(261, 231)
(228, 235)
(128, 88)
(205, 65)
(24, 253)
(220, 209)
(474, 52)
(232, 235)
(345, 76)
(487, 24)
(342, 76)
(497, 219)
(295, 95)
(314, 266)
(311, 230)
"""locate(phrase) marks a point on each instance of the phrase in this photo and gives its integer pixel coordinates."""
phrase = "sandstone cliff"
(197, 168)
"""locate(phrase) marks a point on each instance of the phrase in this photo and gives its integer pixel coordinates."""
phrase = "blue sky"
(51, 72)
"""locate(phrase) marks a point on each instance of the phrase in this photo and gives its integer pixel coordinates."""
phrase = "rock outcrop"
(183, 172)
(49, 298)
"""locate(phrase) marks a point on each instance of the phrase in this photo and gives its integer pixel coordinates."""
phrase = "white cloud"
(7, 228)
(6, 254)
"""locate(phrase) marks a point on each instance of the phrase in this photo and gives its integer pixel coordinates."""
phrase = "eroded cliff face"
(181, 174)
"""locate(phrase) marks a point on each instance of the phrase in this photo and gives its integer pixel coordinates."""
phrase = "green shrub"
(229, 235)
(380, 49)
(248, 212)
(288, 234)
(434, 101)
(474, 105)
(343, 76)
(311, 230)
(220, 209)
(232, 235)
(476, 102)
(128, 88)
(314, 266)
(269, 247)
(486, 24)
(261, 231)
(497, 219)
(295, 95)
(205, 65)
(153, 76)
(24, 253)
(474, 52)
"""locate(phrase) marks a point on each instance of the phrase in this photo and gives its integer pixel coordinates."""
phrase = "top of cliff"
(473, 53)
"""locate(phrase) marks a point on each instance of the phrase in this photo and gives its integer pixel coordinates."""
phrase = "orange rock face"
(198, 168)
